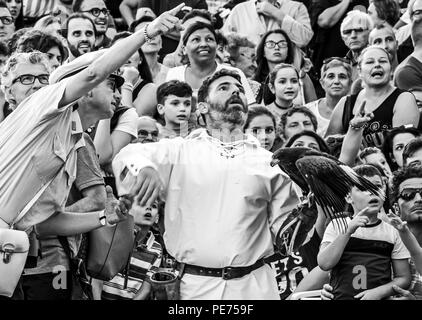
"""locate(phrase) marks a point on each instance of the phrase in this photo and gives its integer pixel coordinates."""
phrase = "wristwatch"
(102, 217)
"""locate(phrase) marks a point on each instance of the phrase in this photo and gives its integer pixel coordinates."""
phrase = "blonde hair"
(355, 17)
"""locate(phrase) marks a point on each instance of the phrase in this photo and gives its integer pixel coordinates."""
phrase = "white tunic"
(221, 206)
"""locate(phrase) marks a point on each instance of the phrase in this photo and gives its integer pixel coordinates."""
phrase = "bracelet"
(128, 86)
(103, 219)
(147, 37)
(355, 127)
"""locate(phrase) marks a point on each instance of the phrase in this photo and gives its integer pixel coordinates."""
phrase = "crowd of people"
(170, 111)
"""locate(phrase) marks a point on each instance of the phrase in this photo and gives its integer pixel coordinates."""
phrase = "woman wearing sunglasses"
(390, 106)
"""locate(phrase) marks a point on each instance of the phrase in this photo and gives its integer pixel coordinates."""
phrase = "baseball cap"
(80, 63)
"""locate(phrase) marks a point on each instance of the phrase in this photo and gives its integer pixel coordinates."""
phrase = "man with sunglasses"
(7, 23)
(98, 12)
(407, 193)
(355, 30)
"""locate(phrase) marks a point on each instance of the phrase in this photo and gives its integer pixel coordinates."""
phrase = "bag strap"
(31, 203)
(39, 193)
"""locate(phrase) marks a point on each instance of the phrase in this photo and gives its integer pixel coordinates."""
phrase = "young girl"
(284, 83)
(261, 124)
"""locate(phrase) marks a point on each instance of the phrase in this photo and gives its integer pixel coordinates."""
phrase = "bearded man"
(223, 199)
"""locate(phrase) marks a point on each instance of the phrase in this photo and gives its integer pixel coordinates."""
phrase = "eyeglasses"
(328, 60)
(6, 20)
(357, 30)
(410, 193)
(144, 133)
(96, 11)
(30, 79)
(271, 44)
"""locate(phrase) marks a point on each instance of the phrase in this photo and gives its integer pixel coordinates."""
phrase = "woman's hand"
(361, 118)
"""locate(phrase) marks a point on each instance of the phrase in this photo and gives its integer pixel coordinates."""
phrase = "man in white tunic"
(224, 202)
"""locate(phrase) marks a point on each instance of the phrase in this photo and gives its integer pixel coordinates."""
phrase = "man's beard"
(233, 114)
(74, 50)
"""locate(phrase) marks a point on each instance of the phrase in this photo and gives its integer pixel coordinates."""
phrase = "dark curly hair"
(388, 10)
(321, 143)
(402, 175)
(204, 89)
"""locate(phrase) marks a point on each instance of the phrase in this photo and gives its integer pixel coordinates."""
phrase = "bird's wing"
(330, 182)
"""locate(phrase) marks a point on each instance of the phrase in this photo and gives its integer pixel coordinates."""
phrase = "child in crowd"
(261, 124)
(362, 257)
(174, 105)
(148, 130)
(295, 120)
(373, 155)
(147, 253)
(284, 84)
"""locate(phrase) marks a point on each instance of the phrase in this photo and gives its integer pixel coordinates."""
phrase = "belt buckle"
(226, 274)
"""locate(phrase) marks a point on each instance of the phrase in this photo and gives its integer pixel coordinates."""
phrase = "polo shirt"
(38, 143)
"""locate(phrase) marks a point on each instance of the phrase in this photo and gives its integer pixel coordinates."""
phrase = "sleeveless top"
(375, 130)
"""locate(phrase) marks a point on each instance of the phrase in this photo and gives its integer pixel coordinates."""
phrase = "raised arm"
(330, 16)
(353, 139)
(127, 9)
(116, 56)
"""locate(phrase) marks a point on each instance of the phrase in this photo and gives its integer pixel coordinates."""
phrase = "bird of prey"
(325, 181)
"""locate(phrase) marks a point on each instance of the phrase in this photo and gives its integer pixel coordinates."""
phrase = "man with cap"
(224, 202)
(38, 141)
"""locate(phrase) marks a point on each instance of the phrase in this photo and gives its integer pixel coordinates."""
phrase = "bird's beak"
(274, 162)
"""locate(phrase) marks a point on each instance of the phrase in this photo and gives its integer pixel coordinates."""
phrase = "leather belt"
(226, 273)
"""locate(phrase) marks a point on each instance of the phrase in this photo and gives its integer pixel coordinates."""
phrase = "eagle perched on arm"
(325, 181)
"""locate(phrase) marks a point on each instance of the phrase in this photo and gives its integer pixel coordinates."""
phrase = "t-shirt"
(322, 122)
(292, 269)
(147, 254)
(408, 75)
(366, 259)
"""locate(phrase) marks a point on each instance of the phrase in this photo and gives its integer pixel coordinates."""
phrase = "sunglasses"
(28, 79)
(328, 60)
(357, 30)
(410, 193)
(6, 20)
(96, 11)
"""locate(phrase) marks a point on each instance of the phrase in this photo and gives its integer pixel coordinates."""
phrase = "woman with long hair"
(274, 48)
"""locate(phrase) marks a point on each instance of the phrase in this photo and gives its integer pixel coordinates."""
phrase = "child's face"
(379, 159)
(262, 127)
(362, 199)
(296, 123)
(145, 216)
(176, 110)
(286, 84)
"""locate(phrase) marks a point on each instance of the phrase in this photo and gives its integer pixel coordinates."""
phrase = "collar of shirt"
(77, 130)
(202, 133)
(349, 55)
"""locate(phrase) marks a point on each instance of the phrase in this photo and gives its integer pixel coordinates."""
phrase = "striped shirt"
(39, 8)
(146, 255)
